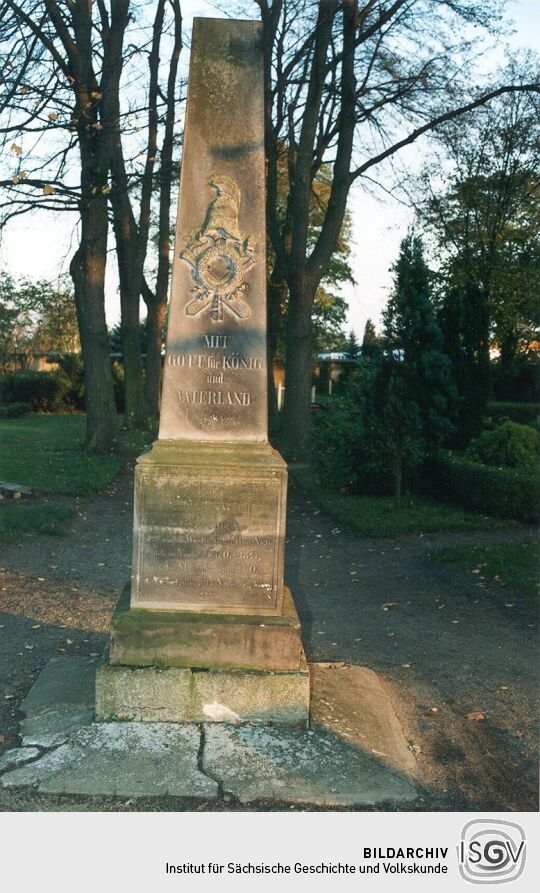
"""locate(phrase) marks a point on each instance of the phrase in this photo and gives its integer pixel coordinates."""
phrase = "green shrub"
(504, 492)
(39, 390)
(523, 413)
(13, 410)
(72, 372)
(352, 448)
(334, 438)
(510, 445)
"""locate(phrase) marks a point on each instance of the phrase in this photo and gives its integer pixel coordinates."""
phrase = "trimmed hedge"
(39, 390)
(13, 410)
(523, 413)
(504, 492)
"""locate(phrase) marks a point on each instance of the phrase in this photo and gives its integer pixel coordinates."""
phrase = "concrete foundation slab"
(352, 703)
(53, 726)
(61, 700)
(17, 756)
(311, 766)
(131, 759)
(64, 682)
(251, 762)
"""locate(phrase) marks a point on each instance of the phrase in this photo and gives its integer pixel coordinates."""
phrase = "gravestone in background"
(207, 589)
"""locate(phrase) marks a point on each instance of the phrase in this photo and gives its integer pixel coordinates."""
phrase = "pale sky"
(40, 245)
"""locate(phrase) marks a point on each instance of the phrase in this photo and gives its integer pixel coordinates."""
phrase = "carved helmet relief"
(219, 255)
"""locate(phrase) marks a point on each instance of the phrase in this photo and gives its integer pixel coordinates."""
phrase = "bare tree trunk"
(296, 409)
(154, 322)
(157, 303)
(277, 294)
(134, 404)
(126, 250)
(88, 272)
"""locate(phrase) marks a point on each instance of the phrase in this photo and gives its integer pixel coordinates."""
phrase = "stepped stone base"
(143, 638)
(174, 694)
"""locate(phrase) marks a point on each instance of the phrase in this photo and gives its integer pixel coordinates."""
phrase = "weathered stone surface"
(176, 695)
(215, 376)
(17, 756)
(250, 761)
(179, 639)
(144, 695)
(312, 767)
(351, 702)
(131, 759)
(209, 528)
(53, 726)
(64, 682)
(64, 756)
(61, 699)
(275, 698)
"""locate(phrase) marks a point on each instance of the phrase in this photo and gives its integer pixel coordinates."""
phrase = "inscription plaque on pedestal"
(210, 538)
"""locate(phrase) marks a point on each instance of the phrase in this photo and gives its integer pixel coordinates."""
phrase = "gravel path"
(446, 643)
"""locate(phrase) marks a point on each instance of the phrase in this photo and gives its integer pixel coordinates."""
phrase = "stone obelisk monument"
(207, 630)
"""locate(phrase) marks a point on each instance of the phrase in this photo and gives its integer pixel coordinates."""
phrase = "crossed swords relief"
(219, 255)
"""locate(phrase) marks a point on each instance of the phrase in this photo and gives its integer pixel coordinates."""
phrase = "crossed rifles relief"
(219, 255)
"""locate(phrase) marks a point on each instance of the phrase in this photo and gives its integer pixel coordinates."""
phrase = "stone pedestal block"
(149, 694)
(209, 528)
(142, 638)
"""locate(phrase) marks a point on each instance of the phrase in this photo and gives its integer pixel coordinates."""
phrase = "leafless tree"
(65, 98)
(349, 84)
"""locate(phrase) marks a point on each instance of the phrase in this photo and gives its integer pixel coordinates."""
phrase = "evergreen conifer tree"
(370, 341)
(352, 347)
(413, 391)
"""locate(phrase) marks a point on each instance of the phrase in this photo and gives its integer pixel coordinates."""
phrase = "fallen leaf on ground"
(475, 716)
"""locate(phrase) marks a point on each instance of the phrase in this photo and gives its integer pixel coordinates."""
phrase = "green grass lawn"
(19, 519)
(45, 452)
(509, 564)
(382, 516)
